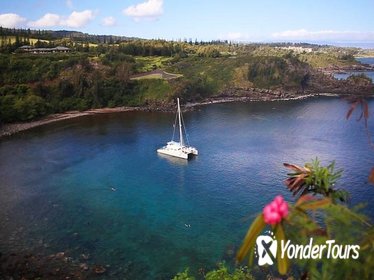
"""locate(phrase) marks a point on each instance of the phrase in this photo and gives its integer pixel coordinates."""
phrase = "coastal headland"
(60, 79)
(12, 128)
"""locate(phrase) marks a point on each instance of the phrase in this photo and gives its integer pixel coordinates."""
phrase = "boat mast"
(180, 124)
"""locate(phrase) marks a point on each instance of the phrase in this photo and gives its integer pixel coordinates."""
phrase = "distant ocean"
(362, 45)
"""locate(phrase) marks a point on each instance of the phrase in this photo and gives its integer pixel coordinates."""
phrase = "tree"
(30, 107)
(7, 110)
(305, 81)
(123, 71)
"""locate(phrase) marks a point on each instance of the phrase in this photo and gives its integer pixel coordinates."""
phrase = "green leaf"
(315, 204)
(303, 199)
(251, 255)
(283, 263)
(250, 238)
(294, 167)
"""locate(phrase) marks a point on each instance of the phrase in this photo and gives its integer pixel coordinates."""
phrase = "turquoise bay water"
(56, 181)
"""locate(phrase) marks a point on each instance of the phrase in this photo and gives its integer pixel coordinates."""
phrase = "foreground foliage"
(319, 216)
(316, 179)
(316, 214)
(221, 273)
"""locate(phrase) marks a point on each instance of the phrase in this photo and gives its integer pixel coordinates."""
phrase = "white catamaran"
(178, 149)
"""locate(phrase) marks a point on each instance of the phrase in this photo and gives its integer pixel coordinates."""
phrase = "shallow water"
(95, 185)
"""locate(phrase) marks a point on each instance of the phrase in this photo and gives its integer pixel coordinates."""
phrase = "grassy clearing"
(365, 53)
(5, 40)
(149, 76)
(216, 72)
(149, 90)
(12, 39)
(157, 74)
(318, 60)
(149, 63)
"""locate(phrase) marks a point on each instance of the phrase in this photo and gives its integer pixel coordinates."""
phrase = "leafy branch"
(363, 104)
(315, 179)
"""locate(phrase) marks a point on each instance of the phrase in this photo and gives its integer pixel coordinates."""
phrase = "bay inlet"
(95, 185)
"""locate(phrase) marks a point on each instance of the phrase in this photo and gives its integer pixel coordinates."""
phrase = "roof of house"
(58, 48)
(61, 48)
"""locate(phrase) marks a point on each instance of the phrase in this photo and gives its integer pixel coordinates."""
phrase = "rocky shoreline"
(29, 265)
(251, 99)
(12, 128)
(345, 69)
(320, 84)
(259, 95)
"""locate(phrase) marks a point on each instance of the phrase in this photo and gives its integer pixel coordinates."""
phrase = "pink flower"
(275, 211)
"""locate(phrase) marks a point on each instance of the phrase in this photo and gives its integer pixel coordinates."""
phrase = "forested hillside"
(98, 71)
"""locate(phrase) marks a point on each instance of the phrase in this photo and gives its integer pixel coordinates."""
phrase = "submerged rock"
(83, 266)
(85, 256)
(60, 255)
(99, 269)
(29, 266)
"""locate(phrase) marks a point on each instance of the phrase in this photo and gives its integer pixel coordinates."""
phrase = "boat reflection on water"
(174, 160)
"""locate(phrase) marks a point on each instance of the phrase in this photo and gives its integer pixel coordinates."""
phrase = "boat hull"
(175, 153)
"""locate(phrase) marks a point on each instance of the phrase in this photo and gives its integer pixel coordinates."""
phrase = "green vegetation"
(361, 79)
(315, 179)
(204, 76)
(149, 76)
(322, 218)
(157, 75)
(316, 215)
(151, 91)
(328, 57)
(103, 71)
(149, 63)
(287, 71)
(365, 53)
(221, 273)
(108, 71)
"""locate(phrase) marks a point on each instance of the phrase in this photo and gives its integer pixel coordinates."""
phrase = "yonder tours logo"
(267, 246)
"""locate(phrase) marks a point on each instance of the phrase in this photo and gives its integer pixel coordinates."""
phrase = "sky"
(326, 21)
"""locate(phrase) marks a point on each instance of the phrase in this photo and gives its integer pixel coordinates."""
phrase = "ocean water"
(365, 60)
(95, 185)
(344, 76)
